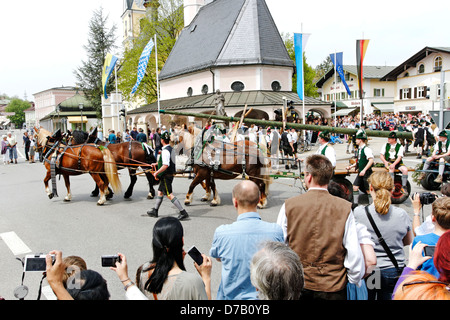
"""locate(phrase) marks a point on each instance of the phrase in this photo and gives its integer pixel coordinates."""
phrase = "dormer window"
(421, 68)
(276, 86)
(437, 64)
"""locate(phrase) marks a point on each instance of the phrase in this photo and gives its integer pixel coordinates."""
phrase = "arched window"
(205, 89)
(237, 86)
(189, 92)
(437, 64)
(421, 68)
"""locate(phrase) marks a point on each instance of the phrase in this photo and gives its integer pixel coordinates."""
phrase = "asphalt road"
(32, 223)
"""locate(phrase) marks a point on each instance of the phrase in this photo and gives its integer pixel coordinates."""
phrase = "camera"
(36, 262)
(427, 198)
(110, 260)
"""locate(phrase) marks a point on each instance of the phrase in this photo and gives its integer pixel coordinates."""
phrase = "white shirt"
(294, 136)
(330, 153)
(391, 152)
(165, 154)
(354, 259)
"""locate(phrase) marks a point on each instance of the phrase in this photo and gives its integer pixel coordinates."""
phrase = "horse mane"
(79, 136)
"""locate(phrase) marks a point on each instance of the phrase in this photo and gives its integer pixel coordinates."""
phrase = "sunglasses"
(446, 285)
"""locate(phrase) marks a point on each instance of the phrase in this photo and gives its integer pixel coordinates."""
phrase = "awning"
(77, 119)
(344, 112)
(388, 107)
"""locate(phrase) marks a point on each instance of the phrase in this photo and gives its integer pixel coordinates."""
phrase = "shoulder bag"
(381, 240)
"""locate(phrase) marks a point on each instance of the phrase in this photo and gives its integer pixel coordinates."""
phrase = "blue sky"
(42, 41)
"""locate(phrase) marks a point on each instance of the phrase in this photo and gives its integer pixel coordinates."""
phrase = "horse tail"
(111, 170)
(266, 165)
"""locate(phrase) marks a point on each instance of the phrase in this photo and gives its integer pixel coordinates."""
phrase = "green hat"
(443, 133)
(392, 135)
(325, 135)
(361, 134)
(165, 136)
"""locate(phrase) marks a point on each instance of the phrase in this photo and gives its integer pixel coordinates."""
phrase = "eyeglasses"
(446, 285)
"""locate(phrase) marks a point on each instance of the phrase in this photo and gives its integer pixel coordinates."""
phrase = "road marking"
(14, 243)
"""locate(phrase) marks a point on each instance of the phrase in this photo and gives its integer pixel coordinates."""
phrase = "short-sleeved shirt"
(235, 244)
(393, 227)
(392, 151)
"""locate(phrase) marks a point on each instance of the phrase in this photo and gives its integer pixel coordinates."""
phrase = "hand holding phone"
(429, 250)
(195, 255)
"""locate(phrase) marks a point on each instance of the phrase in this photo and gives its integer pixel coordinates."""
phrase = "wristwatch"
(131, 283)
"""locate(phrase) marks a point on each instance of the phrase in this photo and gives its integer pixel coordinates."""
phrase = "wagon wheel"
(428, 182)
(398, 196)
(346, 186)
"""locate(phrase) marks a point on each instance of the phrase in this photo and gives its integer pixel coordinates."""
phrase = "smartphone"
(36, 263)
(110, 260)
(429, 250)
(195, 255)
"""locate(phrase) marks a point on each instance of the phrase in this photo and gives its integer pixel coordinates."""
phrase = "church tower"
(133, 12)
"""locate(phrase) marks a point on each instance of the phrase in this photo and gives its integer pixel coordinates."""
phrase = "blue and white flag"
(340, 69)
(143, 62)
(300, 40)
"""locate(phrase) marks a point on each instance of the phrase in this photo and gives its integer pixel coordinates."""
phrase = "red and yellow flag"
(361, 48)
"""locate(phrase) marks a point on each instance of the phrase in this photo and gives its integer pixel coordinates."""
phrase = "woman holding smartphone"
(165, 276)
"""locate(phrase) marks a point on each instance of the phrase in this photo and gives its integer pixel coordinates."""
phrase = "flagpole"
(117, 98)
(157, 83)
(335, 88)
(303, 88)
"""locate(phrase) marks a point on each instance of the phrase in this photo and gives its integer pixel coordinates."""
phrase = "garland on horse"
(67, 161)
(131, 155)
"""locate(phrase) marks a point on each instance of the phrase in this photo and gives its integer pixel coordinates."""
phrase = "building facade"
(418, 81)
(243, 57)
(378, 95)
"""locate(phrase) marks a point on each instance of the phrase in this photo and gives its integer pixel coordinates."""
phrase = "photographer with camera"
(165, 276)
(420, 285)
(440, 218)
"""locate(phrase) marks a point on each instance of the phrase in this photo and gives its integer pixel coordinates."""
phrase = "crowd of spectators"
(321, 247)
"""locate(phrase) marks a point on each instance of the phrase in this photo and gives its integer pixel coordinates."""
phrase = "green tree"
(309, 72)
(101, 41)
(323, 68)
(18, 106)
(166, 25)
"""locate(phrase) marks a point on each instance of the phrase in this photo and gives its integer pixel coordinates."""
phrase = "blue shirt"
(235, 244)
(112, 138)
(430, 239)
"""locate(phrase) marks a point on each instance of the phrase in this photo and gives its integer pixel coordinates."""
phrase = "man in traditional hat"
(165, 173)
(325, 148)
(391, 154)
(441, 153)
(363, 165)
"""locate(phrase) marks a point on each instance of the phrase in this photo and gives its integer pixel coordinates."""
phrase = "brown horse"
(131, 155)
(242, 157)
(76, 160)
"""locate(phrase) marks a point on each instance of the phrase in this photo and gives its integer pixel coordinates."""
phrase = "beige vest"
(315, 229)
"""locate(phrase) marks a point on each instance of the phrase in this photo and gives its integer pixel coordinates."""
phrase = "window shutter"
(409, 93)
(401, 94)
(415, 92)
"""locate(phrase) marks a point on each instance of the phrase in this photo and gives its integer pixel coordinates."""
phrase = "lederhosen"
(387, 154)
(361, 163)
(286, 146)
(440, 151)
(166, 177)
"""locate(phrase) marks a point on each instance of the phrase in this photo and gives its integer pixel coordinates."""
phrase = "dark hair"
(320, 168)
(167, 248)
(88, 285)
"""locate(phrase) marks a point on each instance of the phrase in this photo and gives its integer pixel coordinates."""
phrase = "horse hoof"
(50, 196)
(187, 203)
(203, 199)
(150, 197)
(66, 200)
(213, 204)
(100, 203)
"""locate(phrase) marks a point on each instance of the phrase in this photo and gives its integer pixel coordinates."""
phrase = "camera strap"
(381, 239)
(25, 288)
